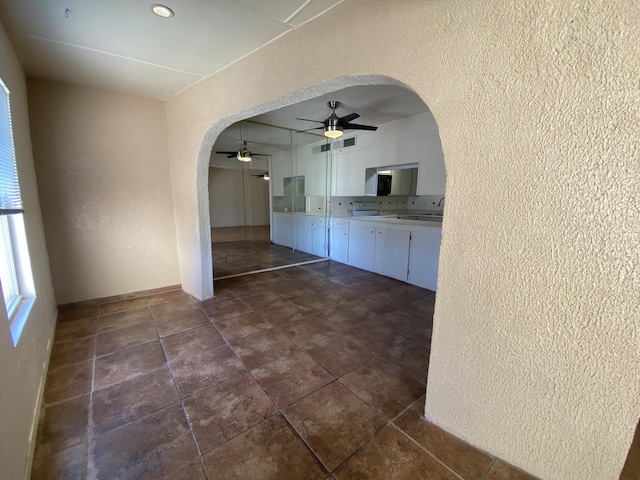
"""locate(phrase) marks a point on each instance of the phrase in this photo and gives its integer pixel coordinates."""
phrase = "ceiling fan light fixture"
(244, 155)
(335, 132)
(266, 176)
(162, 10)
(332, 127)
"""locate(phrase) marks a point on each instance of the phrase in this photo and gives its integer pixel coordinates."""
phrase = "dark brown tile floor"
(232, 258)
(631, 470)
(313, 372)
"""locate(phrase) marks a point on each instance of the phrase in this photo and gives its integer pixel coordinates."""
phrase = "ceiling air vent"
(349, 142)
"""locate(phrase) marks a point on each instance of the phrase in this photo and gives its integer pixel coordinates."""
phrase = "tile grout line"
(280, 330)
(428, 452)
(182, 407)
(88, 454)
(486, 474)
(335, 379)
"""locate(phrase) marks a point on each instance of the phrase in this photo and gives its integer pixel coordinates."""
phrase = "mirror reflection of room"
(253, 178)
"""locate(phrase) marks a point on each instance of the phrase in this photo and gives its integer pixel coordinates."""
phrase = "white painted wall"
(228, 197)
(408, 140)
(103, 178)
(23, 367)
(536, 326)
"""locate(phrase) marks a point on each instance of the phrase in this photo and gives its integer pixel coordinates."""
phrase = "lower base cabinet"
(339, 241)
(408, 255)
(362, 245)
(392, 253)
(319, 234)
(424, 256)
(283, 229)
(378, 249)
(306, 233)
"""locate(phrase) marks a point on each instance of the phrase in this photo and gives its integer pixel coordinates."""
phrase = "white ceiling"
(121, 45)
(376, 105)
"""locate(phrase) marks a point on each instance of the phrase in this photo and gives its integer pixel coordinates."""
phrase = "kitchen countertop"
(381, 217)
(395, 221)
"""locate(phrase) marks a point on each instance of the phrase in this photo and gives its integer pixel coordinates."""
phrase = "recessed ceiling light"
(161, 10)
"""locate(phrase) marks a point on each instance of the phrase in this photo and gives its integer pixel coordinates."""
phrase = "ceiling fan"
(264, 176)
(335, 126)
(244, 155)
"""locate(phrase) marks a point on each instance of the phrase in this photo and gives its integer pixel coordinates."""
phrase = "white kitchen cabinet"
(362, 242)
(303, 228)
(283, 229)
(319, 238)
(407, 252)
(391, 252)
(424, 255)
(339, 246)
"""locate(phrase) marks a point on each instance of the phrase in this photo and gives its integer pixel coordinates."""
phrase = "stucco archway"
(217, 128)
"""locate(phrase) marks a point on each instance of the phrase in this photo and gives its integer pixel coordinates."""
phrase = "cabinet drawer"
(337, 223)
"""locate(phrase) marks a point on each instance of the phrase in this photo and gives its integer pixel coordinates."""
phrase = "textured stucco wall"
(23, 367)
(104, 181)
(535, 354)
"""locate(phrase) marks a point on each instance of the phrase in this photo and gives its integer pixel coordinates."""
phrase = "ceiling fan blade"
(347, 118)
(355, 126)
(260, 154)
(229, 154)
(307, 120)
(309, 129)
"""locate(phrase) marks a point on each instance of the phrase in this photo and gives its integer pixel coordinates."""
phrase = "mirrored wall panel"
(268, 198)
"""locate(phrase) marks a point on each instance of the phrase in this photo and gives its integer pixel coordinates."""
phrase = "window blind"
(10, 199)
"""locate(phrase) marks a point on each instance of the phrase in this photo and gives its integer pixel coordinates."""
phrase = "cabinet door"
(362, 241)
(339, 247)
(303, 229)
(283, 229)
(424, 257)
(319, 236)
(392, 253)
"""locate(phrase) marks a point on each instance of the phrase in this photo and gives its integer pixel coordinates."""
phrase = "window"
(15, 267)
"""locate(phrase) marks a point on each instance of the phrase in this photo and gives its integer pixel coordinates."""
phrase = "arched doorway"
(394, 153)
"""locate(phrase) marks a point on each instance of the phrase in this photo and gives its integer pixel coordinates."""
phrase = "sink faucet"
(441, 203)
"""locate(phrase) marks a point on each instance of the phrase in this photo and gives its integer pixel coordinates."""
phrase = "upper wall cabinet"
(408, 140)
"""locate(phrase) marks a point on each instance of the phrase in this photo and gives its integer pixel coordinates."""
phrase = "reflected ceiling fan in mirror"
(264, 176)
(244, 155)
(335, 126)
